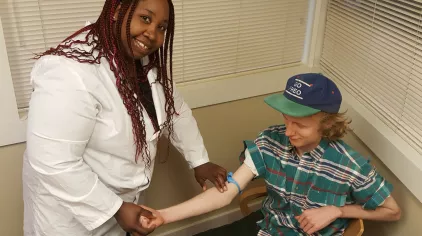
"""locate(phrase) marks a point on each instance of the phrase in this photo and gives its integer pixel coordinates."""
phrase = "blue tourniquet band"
(231, 180)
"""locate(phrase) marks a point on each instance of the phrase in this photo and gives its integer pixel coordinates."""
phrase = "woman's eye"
(146, 19)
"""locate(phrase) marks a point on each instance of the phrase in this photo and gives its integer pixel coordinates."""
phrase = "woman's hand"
(128, 218)
(212, 172)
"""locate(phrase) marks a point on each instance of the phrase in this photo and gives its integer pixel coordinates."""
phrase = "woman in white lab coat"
(101, 100)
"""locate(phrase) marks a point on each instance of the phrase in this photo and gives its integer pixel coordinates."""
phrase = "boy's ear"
(325, 123)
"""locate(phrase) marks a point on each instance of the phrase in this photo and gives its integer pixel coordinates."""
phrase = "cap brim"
(288, 107)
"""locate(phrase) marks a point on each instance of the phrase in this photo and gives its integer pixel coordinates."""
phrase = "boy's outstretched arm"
(209, 200)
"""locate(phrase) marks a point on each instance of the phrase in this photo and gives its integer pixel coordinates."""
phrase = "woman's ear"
(116, 13)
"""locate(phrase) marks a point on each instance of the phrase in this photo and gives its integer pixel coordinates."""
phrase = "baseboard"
(210, 223)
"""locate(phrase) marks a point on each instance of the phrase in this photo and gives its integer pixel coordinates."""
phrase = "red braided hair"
(105, 43)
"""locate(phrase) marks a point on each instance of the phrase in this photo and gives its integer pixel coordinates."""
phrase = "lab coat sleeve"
(186, 136)
(61, 119)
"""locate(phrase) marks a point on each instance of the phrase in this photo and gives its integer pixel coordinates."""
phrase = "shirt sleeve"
(370, 189)
(186, 136)
(256, 161)
(61, 119)
(249, 162)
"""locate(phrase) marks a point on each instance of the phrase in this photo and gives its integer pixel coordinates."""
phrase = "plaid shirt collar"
(316, 153)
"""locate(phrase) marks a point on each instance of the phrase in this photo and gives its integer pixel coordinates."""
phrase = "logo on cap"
(296, 89)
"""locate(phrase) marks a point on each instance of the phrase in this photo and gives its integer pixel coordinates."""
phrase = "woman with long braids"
(101, 100)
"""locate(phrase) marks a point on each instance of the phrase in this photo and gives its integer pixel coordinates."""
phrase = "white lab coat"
(80, 160)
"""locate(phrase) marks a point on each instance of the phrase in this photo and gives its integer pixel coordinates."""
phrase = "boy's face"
(303, 132)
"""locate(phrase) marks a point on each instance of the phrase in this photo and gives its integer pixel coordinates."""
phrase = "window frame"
(12, 127)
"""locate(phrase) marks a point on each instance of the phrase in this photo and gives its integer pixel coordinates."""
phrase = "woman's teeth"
(141, 44)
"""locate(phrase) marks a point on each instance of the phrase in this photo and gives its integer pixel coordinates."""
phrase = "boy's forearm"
(209, 200)
(389, 211)
(205, 202)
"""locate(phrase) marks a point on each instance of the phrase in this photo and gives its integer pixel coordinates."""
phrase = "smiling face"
(303, 132)
(147, 28)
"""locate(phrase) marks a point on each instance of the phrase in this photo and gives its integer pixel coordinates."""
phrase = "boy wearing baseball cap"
(315, 181)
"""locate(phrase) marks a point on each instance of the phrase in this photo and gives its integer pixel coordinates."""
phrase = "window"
(33, 26)
(219, 37)
(373, 49)
(214, 38)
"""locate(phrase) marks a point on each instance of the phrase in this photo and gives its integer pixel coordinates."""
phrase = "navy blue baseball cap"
(305, 95)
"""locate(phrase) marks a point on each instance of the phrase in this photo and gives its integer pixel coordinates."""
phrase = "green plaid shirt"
(331, 174)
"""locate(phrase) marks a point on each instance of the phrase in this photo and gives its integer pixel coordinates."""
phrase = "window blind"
(373, 48)
(213, 37)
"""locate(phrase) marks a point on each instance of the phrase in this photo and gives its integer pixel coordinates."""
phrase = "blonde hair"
(334, 126)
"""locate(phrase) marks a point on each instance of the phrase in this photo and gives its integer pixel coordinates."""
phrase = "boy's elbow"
(393, 212)
(396, 214)
(228, 198)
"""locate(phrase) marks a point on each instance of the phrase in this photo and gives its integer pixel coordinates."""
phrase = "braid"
(166, 79)
(105, 44)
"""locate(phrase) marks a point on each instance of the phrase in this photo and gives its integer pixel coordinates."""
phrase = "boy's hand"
(212, 172)
(151, 223)
(313, 220)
